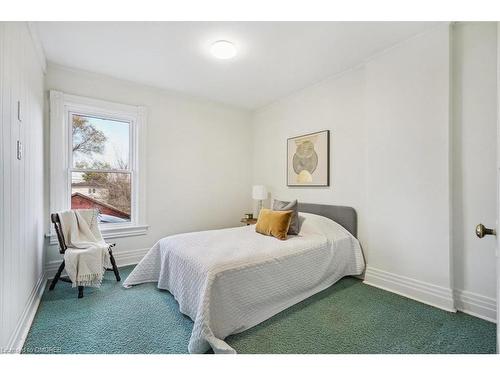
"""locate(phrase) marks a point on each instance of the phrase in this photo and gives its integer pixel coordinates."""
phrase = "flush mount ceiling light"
(223, 49)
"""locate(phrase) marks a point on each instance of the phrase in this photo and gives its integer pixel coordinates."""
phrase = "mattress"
(230, 280)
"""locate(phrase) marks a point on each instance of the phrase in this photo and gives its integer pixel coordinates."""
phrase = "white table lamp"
(259, 192)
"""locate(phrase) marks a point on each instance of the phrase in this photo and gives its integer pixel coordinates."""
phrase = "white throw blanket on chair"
(87, 255)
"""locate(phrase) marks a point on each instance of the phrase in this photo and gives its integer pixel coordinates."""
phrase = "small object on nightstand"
(248, 221)
(248, 216)
(259, 192)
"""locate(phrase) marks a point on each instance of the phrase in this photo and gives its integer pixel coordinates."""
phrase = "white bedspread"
(232, 279)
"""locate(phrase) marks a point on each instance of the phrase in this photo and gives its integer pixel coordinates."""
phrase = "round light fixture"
(223, 49)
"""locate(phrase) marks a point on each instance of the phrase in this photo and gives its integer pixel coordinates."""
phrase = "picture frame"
(308, 160)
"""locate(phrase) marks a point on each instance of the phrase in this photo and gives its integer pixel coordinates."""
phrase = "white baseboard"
(450, 300)
(476, 304)
(122, 258)
(430, 294)
(16, 340)
(129, 257)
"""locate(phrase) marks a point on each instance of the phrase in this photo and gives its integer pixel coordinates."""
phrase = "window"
(100, 153)
(97, 162)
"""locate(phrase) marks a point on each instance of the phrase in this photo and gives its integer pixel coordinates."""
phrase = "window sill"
(117, 231)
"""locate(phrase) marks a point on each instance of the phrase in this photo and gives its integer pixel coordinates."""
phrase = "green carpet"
(349, 317)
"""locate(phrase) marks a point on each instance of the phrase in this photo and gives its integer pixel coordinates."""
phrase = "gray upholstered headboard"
(345, 216)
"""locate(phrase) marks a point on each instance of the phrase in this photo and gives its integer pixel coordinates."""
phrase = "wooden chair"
(62, 249)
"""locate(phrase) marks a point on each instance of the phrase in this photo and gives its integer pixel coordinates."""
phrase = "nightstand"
(248, 221)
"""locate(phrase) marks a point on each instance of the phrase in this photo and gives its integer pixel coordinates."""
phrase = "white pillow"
(317, 224)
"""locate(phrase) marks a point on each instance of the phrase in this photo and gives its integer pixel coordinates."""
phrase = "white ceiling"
(274, 58)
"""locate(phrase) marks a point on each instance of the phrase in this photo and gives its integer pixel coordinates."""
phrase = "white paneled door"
(498, 185)
(481, 230)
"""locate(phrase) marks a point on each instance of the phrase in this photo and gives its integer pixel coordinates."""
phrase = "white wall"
(407, 168)
(21, 182)
(336, 104)
(198, 157)
(474, 156)
(390, 125)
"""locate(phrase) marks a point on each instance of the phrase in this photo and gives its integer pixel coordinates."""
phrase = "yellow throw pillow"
(274, 223)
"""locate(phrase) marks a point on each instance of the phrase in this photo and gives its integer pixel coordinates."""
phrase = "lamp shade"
(259, 192)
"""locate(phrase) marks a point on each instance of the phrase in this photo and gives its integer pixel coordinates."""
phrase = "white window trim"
(61, 105)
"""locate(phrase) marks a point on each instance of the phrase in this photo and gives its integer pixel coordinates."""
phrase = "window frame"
(62, 106)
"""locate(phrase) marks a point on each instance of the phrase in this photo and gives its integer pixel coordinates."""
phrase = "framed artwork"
(308, 159)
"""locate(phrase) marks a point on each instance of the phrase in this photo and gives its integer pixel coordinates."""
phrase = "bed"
(230, 280)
